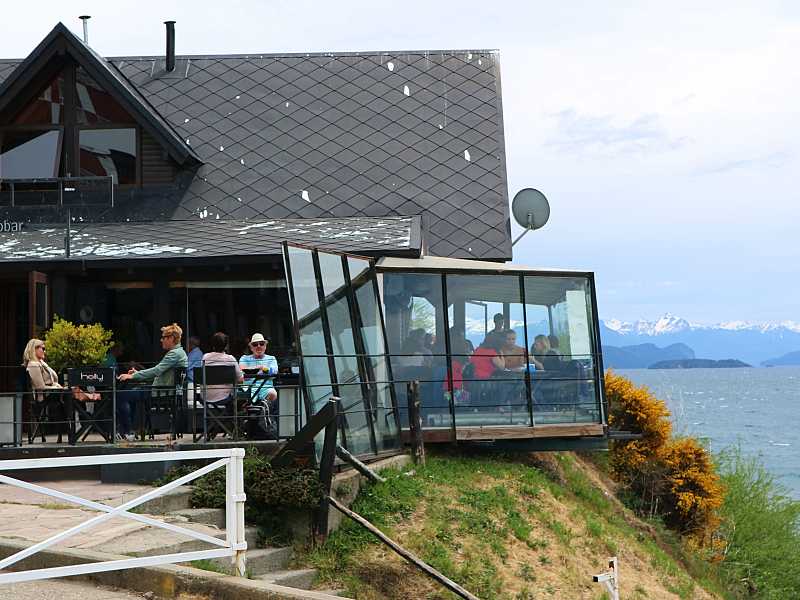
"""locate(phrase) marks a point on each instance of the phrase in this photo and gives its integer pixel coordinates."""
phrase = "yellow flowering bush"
(673, 478)
(70, 345)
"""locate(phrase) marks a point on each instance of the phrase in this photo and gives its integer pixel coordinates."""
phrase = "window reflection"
(109, 152)
(47, 108)
(30, 154)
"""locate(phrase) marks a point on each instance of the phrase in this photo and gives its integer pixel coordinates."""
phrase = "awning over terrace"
(205, 238)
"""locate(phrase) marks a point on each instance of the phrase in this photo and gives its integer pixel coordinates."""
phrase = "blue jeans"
(127, 401)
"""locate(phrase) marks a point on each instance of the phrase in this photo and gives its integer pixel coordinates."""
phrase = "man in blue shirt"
(194, 357)
(259, 359)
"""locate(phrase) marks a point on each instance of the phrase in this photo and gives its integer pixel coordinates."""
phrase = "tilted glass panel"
(312, 339)
(487, 336)
(352, 391)
(415, 330)
(386, 429)
(560, 339)
(109, 152)
(30, 154)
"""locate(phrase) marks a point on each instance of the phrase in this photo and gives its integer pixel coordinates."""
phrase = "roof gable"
(61, 41)
(338, 135)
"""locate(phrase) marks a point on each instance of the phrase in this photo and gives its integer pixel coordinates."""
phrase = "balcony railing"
(57, 192)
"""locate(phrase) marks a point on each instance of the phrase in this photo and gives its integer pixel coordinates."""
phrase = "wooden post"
(415, 423)
(326, 471)
(426, 568)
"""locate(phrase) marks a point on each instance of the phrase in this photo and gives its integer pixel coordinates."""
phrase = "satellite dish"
(530, 208)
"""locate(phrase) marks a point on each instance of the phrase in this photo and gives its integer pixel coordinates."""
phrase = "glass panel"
(107, 152)
(30, 154)
(487, 330)
(386, 429)
(47, 109)
(312, 340)
(95, 105)
(559, 317)
(415, 329)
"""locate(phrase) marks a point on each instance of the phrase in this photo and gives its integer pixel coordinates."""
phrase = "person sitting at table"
(487, 359)
(162, 376)
(513, 355)
(220, 394)
(541, 355)
(44, 379)
(194, 357)
(259, 359)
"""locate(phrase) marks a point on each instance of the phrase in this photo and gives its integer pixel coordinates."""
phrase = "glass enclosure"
(509, 348)
(342, 346)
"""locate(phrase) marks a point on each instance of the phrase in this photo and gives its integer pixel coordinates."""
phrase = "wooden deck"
(489, 433)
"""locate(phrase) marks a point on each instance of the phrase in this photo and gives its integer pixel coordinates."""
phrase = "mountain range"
(754, 343)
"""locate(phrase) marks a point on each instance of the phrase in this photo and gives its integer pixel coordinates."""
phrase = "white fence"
(234, 544)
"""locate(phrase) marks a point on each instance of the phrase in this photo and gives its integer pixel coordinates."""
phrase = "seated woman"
(221, 393)
(44, 379)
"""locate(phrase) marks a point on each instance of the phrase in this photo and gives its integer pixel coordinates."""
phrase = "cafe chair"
(44, 405)
(164, 408)
(218, 417)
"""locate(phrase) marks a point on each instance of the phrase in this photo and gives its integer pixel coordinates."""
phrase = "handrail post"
(415, 423)
(234, 510)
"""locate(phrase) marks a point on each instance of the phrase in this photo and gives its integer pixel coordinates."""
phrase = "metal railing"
(233, 545)
(57, 191)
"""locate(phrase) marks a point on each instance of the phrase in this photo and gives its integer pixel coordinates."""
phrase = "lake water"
(757, 408)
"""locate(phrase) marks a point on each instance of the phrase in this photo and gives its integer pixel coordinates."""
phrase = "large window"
(71, 128)
(494, 350)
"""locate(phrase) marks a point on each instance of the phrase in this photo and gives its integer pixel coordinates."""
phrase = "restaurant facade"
(141, 191)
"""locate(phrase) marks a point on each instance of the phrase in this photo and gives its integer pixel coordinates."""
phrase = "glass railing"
(57, 191)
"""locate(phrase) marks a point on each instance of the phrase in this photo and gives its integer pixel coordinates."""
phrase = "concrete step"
(206, 516)
(177, 499)
(301, 579)
(260, 561)
(339, 593)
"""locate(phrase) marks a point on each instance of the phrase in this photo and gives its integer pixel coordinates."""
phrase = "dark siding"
(157, 167)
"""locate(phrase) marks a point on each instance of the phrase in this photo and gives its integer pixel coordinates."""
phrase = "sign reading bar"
(11, 226)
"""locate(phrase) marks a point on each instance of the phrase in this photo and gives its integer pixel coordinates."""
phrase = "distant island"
(699, 363)
(787, 360)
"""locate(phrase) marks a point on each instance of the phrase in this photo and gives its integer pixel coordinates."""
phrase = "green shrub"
(760, 531)
(70, 345)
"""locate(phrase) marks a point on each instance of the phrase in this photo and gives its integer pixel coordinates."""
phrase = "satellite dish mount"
(531, 210)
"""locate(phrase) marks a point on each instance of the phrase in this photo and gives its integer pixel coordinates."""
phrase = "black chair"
(217, 412)
(164, 410)
(101, 419)
(46, 407)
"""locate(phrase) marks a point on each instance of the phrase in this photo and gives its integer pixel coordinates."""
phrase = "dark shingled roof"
(339, 135)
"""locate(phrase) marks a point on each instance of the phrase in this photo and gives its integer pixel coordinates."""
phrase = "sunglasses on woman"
(259, 344)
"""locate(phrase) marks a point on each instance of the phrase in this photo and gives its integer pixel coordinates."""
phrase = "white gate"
(234, 544)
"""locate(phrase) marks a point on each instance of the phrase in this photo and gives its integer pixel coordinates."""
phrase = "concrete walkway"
(64, 590)
(33, 517)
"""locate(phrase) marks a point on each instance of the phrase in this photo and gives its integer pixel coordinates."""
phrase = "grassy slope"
(504, 530)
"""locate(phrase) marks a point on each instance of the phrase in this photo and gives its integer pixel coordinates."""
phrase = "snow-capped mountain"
(744, 340)
(671, 324)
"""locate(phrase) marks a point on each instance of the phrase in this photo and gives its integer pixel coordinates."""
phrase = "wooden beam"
(358, 465)
(422, 566)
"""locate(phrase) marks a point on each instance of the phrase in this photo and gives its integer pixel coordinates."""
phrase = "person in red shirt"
(487, 359)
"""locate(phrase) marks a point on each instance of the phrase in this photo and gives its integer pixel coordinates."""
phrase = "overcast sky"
(665, 135)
